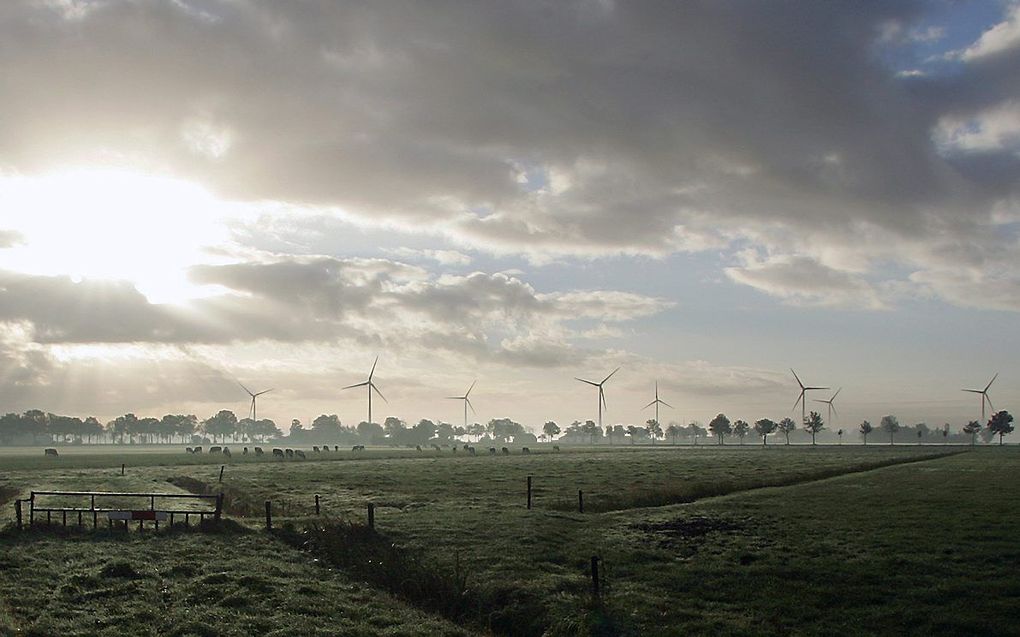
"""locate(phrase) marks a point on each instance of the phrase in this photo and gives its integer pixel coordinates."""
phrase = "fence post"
(17, 512)
(580, 501)
(529, 492)
(31, 508)
(219, 507)
(316, 504)
(269, 515)
(221, 473)
(595, 576)
(371, 515)
(121, 469)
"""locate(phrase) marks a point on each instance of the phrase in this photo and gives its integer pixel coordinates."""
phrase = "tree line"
(36, 427)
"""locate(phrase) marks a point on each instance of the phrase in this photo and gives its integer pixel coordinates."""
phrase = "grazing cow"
(289, 452)
(471, 450)
(315, 448)
(436, 447)
(245, 452)
(258, 451)
(506, 452)
(300, 454)
(50, 452)
(189, 450)
(492, 451)
(455, 450)
(417, 447)
(465, 446)
(197, 450)
(358, 448)
(226, 452)
(556, 447)
(278, 453)
(336, 447)
(215, 449)
(325, 448)
(525, 450)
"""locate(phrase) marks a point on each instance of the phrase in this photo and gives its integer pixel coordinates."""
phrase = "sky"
(197, 193)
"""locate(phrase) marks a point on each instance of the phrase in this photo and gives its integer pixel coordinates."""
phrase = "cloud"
(442, 257)
(1000, 38)
(10, 238)
(564, 131)
(485, 316)
(804, 281)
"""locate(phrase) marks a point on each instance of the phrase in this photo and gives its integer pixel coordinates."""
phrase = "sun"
(112, 224)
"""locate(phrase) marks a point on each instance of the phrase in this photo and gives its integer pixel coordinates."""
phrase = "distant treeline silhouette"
(35, 427)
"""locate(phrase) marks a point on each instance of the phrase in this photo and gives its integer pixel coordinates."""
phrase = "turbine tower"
(602, 393)
(254, 395)
(467, 402)
(800, 399)
(371, 386)
(832, 407)
(657, 402)
(984, 396)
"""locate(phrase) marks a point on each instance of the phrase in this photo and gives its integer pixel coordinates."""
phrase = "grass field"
(813, 541)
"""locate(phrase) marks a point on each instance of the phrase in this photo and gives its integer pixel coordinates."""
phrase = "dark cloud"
(564, 128)
(488, 316)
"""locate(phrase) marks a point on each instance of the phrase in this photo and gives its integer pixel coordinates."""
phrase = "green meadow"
(690, 540)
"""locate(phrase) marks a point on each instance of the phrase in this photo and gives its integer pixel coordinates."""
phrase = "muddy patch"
(236, 502)
(686, 534)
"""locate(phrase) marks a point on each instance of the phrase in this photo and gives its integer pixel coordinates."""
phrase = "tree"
(764, 427)
(741, 429)
(371, 432)
(786, 425)
(813, 424)
(592, 430)
(653, 429)
(223, 424)
(1000, 424)
(327, 427)
(890, 424)
(720, 426)
(632, 431)
(973, 428)
(866, 429)
(394, 428)
(673, 431)
(122, 426)
(551, 430)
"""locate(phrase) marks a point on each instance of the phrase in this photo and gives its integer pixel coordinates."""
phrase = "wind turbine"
(254, 395)
(832, 408)
(800, 399)
(984, 396)
(602, 394)
(467, 402)
(657, 402)
(370, 385)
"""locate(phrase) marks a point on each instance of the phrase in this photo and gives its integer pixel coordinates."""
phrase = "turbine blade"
(372, 386)
(264, 391)
(471, 406)
(454, 398)
(798, 379)
(836, 394)
(610, 375)
(245, 388)
(990, 405)
(799, 398)
(373, 368)
(834, 410)
(811, 388)
(991, 381)
(602, 395)
(650, 404)
(973, 391)
(667, 404)
(586, 381)
(468, 392)
(353, 386)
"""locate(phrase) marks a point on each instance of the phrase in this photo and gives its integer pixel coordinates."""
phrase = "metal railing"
(97, 505)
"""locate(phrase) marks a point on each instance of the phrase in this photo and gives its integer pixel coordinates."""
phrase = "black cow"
(50, 452)
(506, 452)
(278, 453)
(258, 451)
